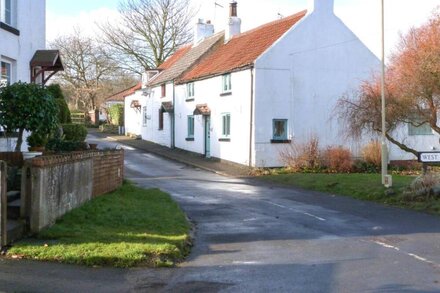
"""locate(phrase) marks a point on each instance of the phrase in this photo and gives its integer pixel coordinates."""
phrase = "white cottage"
(249, 95)
(158, 114)
(263, 88)
(22, 44)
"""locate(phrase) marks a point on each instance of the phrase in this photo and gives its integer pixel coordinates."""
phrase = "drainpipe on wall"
(251, 126)
(173, 124)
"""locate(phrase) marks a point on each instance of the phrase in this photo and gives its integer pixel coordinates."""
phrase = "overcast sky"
(361, 16)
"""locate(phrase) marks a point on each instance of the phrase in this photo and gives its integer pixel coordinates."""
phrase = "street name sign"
(429, 157)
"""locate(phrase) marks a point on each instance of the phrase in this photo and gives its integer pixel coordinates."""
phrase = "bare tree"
(150, 31)
(412, 89)
(88, 71)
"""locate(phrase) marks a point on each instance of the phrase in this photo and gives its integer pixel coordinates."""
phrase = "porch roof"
(202, 109)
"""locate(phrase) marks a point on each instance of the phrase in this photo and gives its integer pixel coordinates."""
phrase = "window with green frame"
(144, 116)
(226, 83)
(279, 127)
(190, 90)
(226, 124)
(5, 73)
(190, 132)
(7, 12)
(424, 129)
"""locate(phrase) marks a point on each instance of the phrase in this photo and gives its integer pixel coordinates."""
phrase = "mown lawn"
(359, 186)
(131, 226)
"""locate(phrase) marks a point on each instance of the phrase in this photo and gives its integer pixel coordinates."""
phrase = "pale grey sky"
(362, 16)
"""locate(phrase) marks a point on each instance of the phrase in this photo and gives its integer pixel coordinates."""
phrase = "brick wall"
(14, 159)
(108, 167)
(55, 184)
(108, 171)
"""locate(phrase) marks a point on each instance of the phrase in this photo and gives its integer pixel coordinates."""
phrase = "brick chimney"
(321, 6)
(202, 30)
(234, 22)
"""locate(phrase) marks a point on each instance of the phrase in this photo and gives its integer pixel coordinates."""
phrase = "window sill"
(189, 100)
(189, 139)
(9, 28)
(280, 141)
(224, 139)
(225, 94)
(421, 134)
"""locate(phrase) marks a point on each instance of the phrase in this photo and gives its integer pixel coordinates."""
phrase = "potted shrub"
(37, 141)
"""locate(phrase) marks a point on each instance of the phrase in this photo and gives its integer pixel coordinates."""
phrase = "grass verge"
(359, 186)
(131, 226)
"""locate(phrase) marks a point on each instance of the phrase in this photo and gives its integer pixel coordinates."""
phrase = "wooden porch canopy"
(45, 61)
(167, 107)
(202, 109)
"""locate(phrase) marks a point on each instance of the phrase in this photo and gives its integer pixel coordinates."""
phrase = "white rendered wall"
(237, 104)
(31, 22)
(151, 131)
(420, 143)
(301, 77)
(133, 116)
(19, 50)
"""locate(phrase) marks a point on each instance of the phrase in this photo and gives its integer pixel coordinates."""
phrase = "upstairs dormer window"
(226, 83)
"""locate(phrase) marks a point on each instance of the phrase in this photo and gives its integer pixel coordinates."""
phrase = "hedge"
(74, 132)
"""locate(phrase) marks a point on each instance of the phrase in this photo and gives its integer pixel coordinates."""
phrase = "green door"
(208, 136)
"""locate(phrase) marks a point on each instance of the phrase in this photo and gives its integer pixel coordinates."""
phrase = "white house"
(253, 93)
(158, 118)
(132, 110)
(22, 44)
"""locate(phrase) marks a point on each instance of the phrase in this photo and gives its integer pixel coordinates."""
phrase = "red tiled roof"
(185, 61)
(119, 97)
(242, 50)
(176, 56)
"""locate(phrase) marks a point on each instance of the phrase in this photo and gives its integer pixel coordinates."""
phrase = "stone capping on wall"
(59, 159)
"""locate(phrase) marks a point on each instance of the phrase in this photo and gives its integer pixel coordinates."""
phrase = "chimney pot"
(233, 8)
(234, 22)
(202, 31)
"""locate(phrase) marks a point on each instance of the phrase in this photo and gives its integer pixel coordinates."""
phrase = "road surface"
(257, 237)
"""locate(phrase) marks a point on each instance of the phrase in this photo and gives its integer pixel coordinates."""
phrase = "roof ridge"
(273, 22)
(125, 90)
(243, 49)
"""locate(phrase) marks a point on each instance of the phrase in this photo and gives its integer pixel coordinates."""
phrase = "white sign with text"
(429, 157)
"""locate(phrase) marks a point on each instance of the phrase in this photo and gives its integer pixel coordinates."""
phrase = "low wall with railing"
(54, 185)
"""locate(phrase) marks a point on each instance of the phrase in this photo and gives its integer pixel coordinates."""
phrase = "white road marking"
(246, 262)
(387, 245)
(295, 210)
(316, 217)
(250, 220)
(417, 257)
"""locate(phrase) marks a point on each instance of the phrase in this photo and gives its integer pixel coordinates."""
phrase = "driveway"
(257, 237)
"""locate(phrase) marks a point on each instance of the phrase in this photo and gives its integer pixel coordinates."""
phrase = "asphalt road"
(255, 237)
